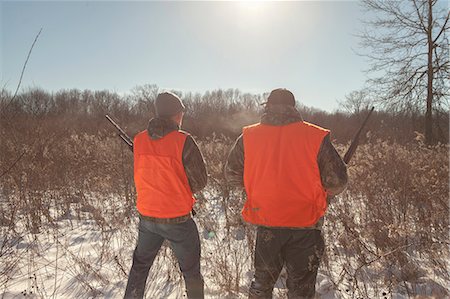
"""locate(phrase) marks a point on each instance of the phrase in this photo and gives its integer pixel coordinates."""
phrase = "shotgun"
(352, 149)
(349, 154)
(121, 133)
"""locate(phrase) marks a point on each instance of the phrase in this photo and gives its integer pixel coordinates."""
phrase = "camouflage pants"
(299, 250)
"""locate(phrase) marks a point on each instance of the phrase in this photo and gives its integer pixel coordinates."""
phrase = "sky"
(307, 47)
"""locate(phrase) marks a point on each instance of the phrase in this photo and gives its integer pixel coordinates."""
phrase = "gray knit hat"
(168, 104)
(280, 96)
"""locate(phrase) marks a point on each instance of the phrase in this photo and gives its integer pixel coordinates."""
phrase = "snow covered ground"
(83, 255)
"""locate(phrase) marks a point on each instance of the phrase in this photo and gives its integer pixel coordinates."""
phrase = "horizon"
(186, 46)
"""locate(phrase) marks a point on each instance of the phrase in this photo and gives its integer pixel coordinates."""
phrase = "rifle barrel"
(121, 133)
(352, 149)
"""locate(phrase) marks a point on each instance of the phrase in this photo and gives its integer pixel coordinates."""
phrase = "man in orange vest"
(287, 167)
(168, 169)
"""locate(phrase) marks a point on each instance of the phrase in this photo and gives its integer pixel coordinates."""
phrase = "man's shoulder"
(251, 127)
(184, 133)
(315, 127)
(188, 139)
(140, 134)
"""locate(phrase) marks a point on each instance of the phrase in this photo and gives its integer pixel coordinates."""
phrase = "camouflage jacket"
(193, 162)
(333, 171)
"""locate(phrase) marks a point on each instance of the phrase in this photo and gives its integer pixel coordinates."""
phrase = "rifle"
(121, 133)
(352, 149)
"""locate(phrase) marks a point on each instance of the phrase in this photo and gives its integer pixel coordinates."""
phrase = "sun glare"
(252, 8)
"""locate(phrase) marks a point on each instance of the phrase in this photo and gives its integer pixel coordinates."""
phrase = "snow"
(81, 256)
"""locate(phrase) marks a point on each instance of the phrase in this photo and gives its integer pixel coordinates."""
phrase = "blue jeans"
(185, 243)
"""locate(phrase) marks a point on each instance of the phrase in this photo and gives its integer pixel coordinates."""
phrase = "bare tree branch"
(15, 95)
(23, 71)
(442, 29)
(405, 58)
(13, 164)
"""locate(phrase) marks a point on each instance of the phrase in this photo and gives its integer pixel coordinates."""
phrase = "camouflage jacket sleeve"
(234, 167)
(333, 171)
(194, 165)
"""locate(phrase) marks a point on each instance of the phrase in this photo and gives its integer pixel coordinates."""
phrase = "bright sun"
(252, 7)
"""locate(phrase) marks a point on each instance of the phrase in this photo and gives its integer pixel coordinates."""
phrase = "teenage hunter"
(168, 169)
(287, 167)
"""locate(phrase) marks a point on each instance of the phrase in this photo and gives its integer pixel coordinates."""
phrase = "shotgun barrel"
(121, 132)
(352, 149)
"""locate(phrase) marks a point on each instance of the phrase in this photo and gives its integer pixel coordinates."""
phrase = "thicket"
(61, 159)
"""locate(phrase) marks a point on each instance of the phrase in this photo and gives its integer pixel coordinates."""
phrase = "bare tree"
(355, 102)
(143, 97)
(408, 48)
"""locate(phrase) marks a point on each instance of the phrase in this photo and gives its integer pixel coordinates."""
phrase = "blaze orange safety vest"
(162, 186)
(281, 175)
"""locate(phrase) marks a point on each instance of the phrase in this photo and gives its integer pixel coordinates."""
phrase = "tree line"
(218, 112)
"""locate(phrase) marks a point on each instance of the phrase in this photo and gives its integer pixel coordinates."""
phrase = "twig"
(23, 70)
(13, 164)
(382, 256)
(15, 95)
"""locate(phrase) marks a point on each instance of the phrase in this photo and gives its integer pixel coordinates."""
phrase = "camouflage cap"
(281, 96)
(168, 104)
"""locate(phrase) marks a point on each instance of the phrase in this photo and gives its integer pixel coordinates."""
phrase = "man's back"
(281, 176)
(287, 167)
(168, 169)
(161, 183)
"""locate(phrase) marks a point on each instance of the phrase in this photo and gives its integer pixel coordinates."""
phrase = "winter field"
(69, 226)
(68, 221)
(78, 244)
